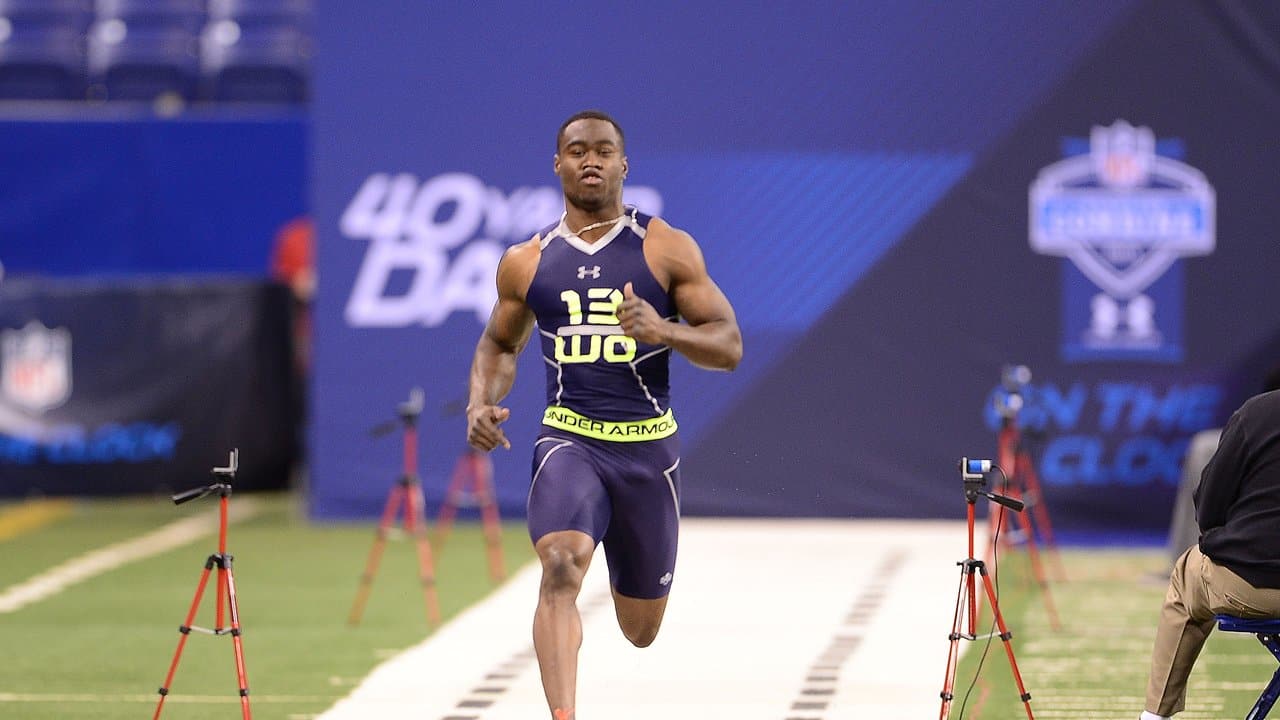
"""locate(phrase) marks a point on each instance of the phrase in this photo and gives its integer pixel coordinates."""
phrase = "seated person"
(1235, 567)
(1183, 531)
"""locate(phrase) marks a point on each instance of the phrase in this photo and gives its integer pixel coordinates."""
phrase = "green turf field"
(1095, 665)
(100, 649)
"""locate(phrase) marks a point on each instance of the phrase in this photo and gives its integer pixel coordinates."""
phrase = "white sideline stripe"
(81, 568)
(755, 605)
(230, 699)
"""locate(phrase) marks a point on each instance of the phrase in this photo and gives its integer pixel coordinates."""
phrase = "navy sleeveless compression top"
(593, 368)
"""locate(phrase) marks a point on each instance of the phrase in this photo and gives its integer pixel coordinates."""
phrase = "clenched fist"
(639, 320)
(483, 432)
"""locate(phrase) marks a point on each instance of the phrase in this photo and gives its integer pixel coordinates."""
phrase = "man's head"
(589, 115)
(590, 160)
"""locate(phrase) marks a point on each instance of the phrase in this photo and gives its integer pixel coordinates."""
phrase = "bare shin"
(557, 626)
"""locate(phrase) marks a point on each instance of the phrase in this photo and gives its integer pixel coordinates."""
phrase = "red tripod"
(1018, 482)
(407, 493)
(226, 588)
(1013, 448)
(974, 474)
(472, 486)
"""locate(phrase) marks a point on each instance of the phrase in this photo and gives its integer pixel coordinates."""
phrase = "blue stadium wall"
(899, 199)
(860, 178)
(114, 190)
(140, 338)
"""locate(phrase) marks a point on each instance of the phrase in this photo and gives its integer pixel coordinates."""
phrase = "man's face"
(591, 165)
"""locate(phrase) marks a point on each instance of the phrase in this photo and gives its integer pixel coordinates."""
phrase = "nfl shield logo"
(1123, 214)
(35, 366)
(1122, 155)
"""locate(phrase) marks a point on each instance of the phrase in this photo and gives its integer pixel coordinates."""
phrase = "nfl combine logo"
(1123, 211)
(35, 367)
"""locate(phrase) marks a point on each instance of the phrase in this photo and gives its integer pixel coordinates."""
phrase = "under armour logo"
(665, 579)
(583, 272)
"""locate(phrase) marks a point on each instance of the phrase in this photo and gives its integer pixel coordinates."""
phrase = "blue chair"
(1268, 633)
(72, 13)
(42, 49)
(41, 62)
(247, 13)
(264, 64)
(188, 15)
(130, 62)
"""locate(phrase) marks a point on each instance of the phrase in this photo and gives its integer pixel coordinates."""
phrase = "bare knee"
(564, 564)
(639, 619)
(641, 636)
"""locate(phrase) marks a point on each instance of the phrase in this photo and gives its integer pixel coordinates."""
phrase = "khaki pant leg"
(1230, 594)
(1186, 620)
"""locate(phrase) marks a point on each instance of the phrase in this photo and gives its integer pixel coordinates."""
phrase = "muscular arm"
(493, 369)
(711, 339)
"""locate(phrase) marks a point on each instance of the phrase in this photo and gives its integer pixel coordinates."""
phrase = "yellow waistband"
(629, 431)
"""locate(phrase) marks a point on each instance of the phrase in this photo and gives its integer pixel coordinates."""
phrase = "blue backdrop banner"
(1062, 185)
(99, 191)
(114, 388)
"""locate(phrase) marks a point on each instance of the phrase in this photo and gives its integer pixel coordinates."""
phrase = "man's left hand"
(639, 320)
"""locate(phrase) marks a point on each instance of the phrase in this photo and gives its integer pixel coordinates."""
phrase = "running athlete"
(607, 287)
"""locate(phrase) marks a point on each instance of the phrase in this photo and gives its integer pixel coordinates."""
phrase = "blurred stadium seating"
(140, 61)
(296, 13)
(41, 48)
(255, 62)
(216, 51)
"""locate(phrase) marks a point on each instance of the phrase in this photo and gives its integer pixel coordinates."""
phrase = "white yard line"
(768, 619)
(81, 568)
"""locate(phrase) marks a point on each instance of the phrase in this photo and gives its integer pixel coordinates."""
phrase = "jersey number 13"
(597, 334)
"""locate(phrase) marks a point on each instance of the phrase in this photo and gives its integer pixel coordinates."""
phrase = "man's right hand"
(483, 432)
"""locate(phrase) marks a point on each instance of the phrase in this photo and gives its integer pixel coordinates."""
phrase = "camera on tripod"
(223, 488)
(1015, 377)
(974, 475)
(974, 470)
(1008, 400)
(410, 409)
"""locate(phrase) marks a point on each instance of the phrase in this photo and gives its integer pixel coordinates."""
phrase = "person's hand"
(483, 432)
(639, 320)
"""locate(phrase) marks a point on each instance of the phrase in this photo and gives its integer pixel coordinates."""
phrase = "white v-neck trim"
(628, 220)
(594, 247)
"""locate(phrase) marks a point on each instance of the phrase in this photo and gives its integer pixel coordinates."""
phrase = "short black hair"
(589, 115)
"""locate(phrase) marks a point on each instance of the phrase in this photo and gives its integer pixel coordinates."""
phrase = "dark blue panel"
(869, 412)
(798, 146)
(131, 387)
(80, 195)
